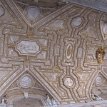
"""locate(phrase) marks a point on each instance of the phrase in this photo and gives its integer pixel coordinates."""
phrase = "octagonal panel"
(27, 48)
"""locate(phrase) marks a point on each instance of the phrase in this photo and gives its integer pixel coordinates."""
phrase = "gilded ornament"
(100, 53)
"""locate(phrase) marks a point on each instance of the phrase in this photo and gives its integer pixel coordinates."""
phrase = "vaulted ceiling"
(51, 49)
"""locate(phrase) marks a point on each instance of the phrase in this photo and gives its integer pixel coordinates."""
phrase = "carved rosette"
(68, 82)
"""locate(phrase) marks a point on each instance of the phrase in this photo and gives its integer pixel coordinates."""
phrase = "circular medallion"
(25, 81)
(68, 82)
(76, 22)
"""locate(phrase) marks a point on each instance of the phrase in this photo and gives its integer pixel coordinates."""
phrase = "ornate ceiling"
(51, 51)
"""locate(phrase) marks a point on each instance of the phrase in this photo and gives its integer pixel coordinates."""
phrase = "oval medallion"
(76, 22)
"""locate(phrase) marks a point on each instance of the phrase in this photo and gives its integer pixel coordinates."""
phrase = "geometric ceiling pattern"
(53, 48)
